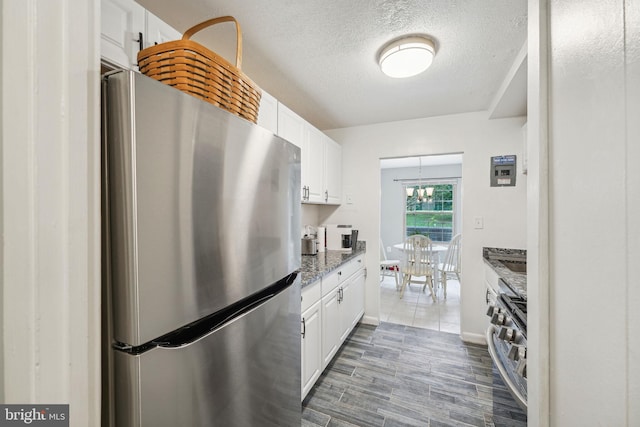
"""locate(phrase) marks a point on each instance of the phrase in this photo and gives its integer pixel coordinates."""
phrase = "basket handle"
(191, 31)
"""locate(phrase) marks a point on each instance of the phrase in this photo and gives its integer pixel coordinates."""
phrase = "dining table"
(436, 250)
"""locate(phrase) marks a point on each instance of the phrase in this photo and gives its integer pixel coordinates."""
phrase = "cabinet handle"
(326, 195)
(140, 41)
(304, 328)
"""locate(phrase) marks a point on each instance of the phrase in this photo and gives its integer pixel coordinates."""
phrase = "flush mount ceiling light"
(407, 57)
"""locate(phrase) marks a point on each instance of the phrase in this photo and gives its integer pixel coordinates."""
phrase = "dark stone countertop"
(314, 267)
(516, 281)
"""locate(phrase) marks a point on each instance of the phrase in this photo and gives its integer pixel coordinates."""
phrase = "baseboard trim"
(473, 338)
(370, 320)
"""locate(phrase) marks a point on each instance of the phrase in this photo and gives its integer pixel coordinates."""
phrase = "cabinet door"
(357, 306)
(345, 310)
(351, 304)
(313, 163)
(333, 171)
(311, 347)
(122, 23)
(158, 31)
(330, 326)
(292, 128)
(268, 113)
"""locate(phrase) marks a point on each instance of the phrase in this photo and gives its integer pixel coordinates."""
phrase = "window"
(430, 209)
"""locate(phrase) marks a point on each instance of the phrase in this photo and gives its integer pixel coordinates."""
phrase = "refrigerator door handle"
(199, 329)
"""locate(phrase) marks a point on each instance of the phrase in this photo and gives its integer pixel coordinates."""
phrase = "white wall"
(1, 225)
(51, 205)
(537, 216)
(503, 209)
(594, 150)
(393, 198)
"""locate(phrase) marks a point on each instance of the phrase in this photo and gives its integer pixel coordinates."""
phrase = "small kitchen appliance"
(309, 245)
(322, 236)
(339, 237)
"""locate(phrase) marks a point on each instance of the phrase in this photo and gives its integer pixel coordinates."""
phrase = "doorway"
(420, 195)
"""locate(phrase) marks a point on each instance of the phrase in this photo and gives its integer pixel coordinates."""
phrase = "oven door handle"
(491, 330)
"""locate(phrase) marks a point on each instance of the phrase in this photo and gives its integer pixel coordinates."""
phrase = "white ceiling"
(319, 57)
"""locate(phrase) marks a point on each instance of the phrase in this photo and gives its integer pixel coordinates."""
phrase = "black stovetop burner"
(517, 308)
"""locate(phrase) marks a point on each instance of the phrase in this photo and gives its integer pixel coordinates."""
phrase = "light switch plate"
(349, 198)
(478, 222)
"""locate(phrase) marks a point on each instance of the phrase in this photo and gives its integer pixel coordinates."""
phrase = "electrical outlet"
(478, 223)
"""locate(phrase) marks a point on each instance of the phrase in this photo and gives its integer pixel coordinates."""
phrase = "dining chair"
(451, 263)
(388, 267)
(418, 262)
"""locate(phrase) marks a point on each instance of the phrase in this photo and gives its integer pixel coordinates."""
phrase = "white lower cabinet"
(311, 346)
(311, 331)
(351, 304)
(330, 326)
(331, 308)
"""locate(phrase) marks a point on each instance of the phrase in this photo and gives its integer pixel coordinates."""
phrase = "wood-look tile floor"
(398, 375)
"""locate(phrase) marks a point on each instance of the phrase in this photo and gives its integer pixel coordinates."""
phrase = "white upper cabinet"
(294, 129)
(123, 23)
(268, 113)
(158, 31)
(321, 164)
(332, 172)
(126, 29)
(291, 126)
(313, 166)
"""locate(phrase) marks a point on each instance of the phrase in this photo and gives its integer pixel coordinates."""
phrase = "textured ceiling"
(319, 57)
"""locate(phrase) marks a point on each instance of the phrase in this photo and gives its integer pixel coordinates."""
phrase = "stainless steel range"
(507, 339)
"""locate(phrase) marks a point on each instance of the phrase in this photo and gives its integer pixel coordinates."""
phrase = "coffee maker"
(340, 237)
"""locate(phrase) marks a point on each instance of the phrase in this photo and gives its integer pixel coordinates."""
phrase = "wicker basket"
(194, 69)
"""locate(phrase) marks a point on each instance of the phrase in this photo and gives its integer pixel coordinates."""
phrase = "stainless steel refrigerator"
(201, 251)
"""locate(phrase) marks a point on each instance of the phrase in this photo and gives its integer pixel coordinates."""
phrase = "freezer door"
(245, 374)
(203, 207)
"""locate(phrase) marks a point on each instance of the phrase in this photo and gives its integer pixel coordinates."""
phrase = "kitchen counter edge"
(517, 281)
(315, 267)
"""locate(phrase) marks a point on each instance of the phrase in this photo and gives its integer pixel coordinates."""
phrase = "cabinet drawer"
(351, 267)
(310, 295)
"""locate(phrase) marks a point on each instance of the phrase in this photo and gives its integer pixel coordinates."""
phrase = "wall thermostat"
(503, 171)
